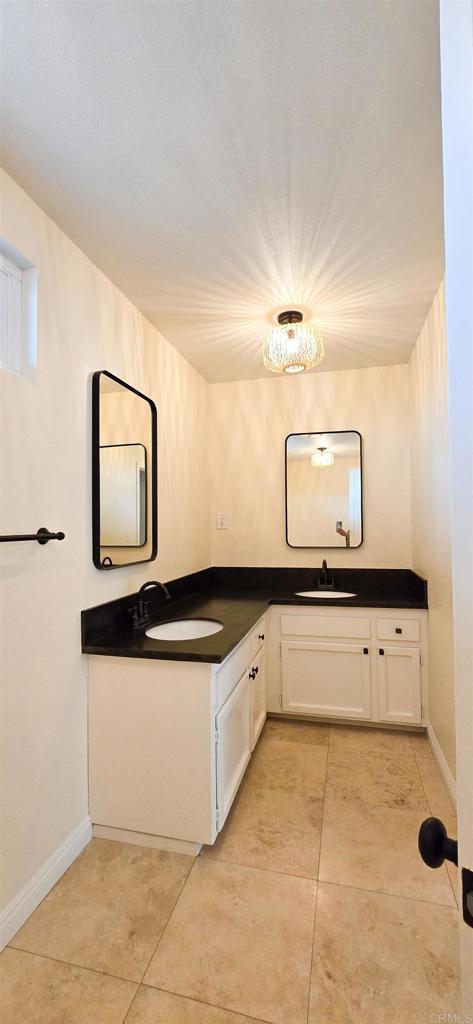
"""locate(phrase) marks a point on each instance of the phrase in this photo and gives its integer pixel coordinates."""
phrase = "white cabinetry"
(326, 679)
(233, 745)
(169, 742)
(257, 677)
(327, 663)
(399, 689)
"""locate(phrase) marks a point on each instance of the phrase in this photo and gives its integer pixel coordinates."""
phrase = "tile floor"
(313, 907)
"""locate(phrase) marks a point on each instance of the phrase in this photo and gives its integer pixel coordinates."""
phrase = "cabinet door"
(399, 685)
(233, 745)
(326, 679)
(257, 696)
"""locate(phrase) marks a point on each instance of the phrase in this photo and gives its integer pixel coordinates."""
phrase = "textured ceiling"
(223, 160)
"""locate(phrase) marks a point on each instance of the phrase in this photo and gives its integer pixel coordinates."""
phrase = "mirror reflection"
(324, 490)
(124, 473)
(123, 495)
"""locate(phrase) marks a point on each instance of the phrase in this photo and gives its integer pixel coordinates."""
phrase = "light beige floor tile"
(382, 780)
(292, 767)
(109, 909)
(296, 732)
(420, 745)
(240, 938)
(34, 990)
(272, 829)
(379, 959)
(377, 850)
(436, 791)
(154, 1007)
(363, 739)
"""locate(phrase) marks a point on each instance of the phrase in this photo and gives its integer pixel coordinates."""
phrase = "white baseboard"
(28, 898)
(442, 764)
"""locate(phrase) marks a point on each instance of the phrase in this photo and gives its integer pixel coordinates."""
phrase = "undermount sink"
(334, 595)
(184, 629)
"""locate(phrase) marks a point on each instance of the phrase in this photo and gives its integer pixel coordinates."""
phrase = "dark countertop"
(238, 598)
(237, 613)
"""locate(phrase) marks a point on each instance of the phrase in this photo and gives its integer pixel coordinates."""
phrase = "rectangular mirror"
(324, 502)
(124, 473)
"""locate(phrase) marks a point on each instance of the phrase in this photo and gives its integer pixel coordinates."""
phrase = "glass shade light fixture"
(292, 346)
(322, 457)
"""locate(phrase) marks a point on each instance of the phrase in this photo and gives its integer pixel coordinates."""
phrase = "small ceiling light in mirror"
(322, 457)
(292, 346)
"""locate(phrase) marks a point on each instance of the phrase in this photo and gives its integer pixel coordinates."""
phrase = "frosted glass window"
(18, 313)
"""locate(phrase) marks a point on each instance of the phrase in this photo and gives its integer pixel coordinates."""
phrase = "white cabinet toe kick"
(169, 742)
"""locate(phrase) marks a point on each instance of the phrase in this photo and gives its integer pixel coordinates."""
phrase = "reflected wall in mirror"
(324, 490)
(124, 474)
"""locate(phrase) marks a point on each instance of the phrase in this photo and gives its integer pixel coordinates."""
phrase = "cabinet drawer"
(256, 638)
(232, 670)
(398, 629)
(325, 625)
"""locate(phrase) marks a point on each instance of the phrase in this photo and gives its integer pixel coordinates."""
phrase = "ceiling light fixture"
(322, 457)
(292, 346)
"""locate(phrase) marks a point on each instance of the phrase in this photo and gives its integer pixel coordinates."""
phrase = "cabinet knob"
(398, 629)
(260, 636)
(365, 650)
(381, 650)
(252, 674)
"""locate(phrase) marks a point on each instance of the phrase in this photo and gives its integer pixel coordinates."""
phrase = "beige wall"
(250, 421)
(85, 324)
(431, 523)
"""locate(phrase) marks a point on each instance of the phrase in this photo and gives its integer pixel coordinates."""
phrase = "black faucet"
(139, 612)
(325, 582)
(155, 583)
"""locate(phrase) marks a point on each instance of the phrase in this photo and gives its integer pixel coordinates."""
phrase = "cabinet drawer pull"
(260, 636)
(381, 650)
(398, 629)
(365, 650)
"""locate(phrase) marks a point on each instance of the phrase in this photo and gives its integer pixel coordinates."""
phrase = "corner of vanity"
(173, 725)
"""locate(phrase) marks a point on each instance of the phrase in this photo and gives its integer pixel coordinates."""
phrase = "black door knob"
(434, 844)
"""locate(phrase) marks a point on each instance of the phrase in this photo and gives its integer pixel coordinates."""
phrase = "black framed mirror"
(324, 489)
(124, 474)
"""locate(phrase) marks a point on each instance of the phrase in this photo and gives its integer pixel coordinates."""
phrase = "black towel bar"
(43, 535)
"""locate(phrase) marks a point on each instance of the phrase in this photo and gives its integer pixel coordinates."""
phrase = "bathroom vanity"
(357, 664)
(173, 724)
(170, 759)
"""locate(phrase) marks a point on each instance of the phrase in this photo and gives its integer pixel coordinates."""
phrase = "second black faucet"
(325, 582)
